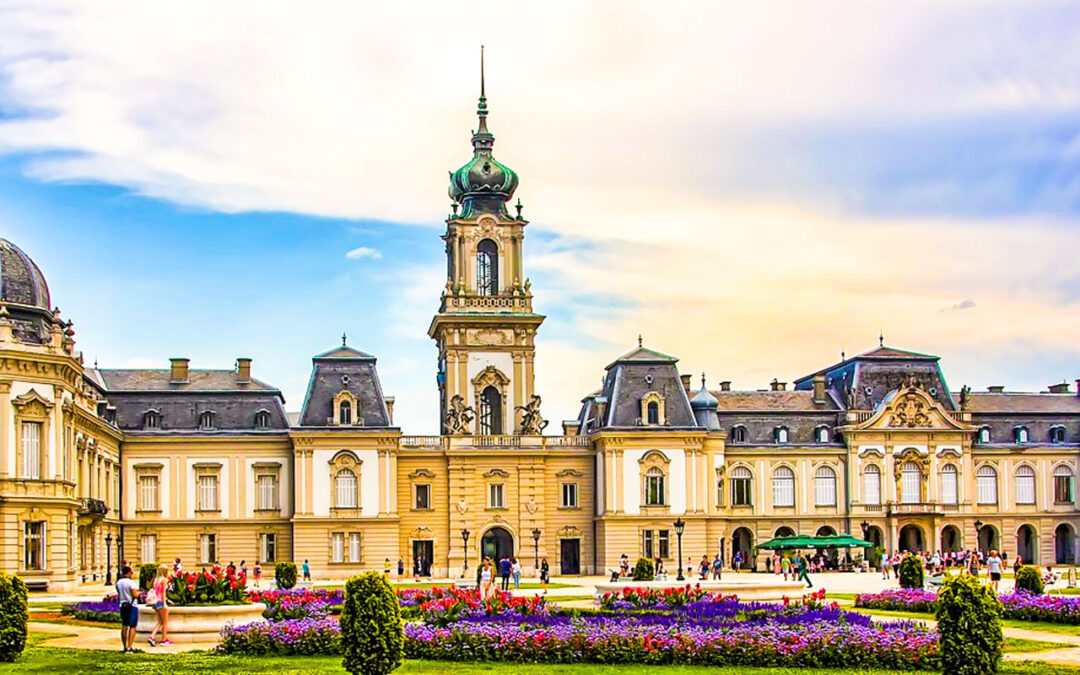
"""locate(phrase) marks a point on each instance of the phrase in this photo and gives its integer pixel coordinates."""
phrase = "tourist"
(177, 566)
(487, 583)
(158, 600)
(126, 592)
(801, 569)
(785, 566)
(515, 569)
(659, 573)
(258, 574)
(717, 568)
(768, 564)
(973, 565)
(993, 566)
(230, 569)
(504, 572)
(736, 562)
(896, 565)
(386, 568)
(1017, 564)
(703, 568)
(885, 565)
(400, 569)
(624, 565)
(305, 569)
(545, 572)
(776, 563)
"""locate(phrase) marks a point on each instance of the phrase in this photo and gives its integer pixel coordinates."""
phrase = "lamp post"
(679, 527)
(465, 550)
(108, 559)
(119, 554)
(536, 547)
(978, 531)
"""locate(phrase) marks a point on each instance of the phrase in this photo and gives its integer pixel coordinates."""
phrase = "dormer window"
(1021, 434)
(738, 434)
(262, 419)
(780, 435)
(821, 434)
(151, 420)
(345, 413)
(653, 411)
(984, 435)
(1057, 434)
(206, 420)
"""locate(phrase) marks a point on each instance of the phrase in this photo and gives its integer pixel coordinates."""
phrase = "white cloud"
(363, 252)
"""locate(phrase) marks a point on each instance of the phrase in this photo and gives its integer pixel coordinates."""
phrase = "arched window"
(345, 413)
(1025, 484)
(821, 434)
(741, 486)
(206, 420)
(910, 483)
(825, 486)
(780, 434)
(653, 409)
(1057, 434)
(872, 484)
(1021, 434)
(490, 411)
(487, 267)
(984, 434)
(262, 419)
(738, 434)
(655, 494)
(949, 494)
(1063, 485)
(783, 487)
(151, 419)
(986, 484)
(345, 491)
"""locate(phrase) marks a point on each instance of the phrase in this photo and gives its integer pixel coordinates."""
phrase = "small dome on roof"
(704, 399)
(21, 281)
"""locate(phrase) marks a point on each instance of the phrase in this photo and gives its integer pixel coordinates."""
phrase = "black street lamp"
(465, 547)
(119, 554)
(108, 559)
(679, 527)
(536, 547)
(978, 531)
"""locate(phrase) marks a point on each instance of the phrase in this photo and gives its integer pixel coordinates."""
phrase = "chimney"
(178, 374)
(996, 388)
(819, 388)
(1062, 388)
(685, 381)
(243, 371)
(725, 385)
(1078, 387)
(389, 409)
(571, 428)
(778, 386)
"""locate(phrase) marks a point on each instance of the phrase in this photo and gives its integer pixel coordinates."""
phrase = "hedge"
(13, 617)
(372, 635)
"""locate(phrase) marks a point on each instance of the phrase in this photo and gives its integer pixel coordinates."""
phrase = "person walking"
(993, 566)
(258, 574)
(973, 565)
(1018, 562)
(487, 580)
(545, 573)
(504, 572)
(736, 561)
(386, 568)
(157, 598)
(515, 569)
(306, 568)
(126, 592)
(400, 569)
(800, 561)
(896, 565)
(885, 565)
(717, 568)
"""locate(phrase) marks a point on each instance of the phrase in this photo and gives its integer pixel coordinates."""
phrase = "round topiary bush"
(911, 572)
(372, 635)
(147, 571)
(285, 575)
(13, 617)
(643, 570)
(969, 623)
(1028, 579)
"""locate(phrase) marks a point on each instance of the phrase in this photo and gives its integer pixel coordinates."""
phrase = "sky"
(752, 187)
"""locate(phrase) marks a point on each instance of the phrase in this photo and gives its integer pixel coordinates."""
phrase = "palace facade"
(99, 465)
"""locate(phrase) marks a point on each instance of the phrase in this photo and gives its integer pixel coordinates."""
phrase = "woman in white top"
(486, 587)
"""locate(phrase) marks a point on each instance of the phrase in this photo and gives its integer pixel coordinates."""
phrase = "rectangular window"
(569, 495)
(647, 544)
(948, 487)
(423, 496)
(1025, 488)
(148, 495)
(34, 545)
(208, 548)
(1063, 492)
(268, 491)
(740, 491)
(148, 548)
(495, 496)
(663, 541)
(268, 547)
(208, 492)
(354, 547)
(31, 450)
(337, 547)
(872, 487)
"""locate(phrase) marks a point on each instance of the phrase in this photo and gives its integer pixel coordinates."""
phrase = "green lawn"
(1022, 646)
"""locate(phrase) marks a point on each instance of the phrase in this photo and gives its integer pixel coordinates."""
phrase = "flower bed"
(1020, 606)
(207, 587)
(654, 598)
(106, 611)
(299, 603)
(901, 600)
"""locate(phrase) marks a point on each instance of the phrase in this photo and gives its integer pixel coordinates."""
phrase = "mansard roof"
(1022, 402)
(629, 378)
(642, 355)
(772, 401)
(159, 380)
(349, 370)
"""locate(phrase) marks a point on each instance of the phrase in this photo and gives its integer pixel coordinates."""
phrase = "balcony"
(496, 441)
(915, 509)
(468, 302)
(95, 508)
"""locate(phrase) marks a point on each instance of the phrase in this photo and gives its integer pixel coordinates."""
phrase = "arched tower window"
(490, 411)
(487, 268)
(345, 413)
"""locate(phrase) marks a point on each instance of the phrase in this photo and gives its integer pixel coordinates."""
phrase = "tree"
(372, 635)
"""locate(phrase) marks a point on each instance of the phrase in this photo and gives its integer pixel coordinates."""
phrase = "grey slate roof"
(344, 368)
(772, 401)
(628, 379)
(198, 380)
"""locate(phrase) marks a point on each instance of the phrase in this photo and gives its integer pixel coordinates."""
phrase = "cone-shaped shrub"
(285, 575)
(372, 635)
(1028, 579)
(643, 570)
(147, 572)
(969, 622)
(13, 616)
(911, 572)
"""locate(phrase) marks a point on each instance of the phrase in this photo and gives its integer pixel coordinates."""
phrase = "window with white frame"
(663, 543)
(354, 547)
(1063, 485)
(986, 484)
(1021, 434)
(984, 434)
(262, 419)
(780, 434)
(206, 421)
(783, 487)
(825, 486)
(267, 547)
(345, 489)
(949, 481)
(738, 434)
(337, 547)
(1057, 434)
(910, 483)
(31, 450)
(822, 434)
(1025, 484)
(872, 485)
(34, 545)
(496, 496)
(267, 484)
(423, 496)
(741, 486)
(148, 548)
(647, 550)
(207, 493)
(569, 495)
(65, 468)
(148, 492)
(655, 488)
(208, 547)
(151, 420)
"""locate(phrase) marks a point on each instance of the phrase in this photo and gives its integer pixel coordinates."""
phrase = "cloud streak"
(363, 252)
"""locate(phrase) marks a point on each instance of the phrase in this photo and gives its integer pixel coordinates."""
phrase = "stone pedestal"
(202, 623)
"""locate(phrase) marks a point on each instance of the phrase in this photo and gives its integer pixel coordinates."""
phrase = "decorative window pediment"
(345, 410)
(653, 412)
(32, 404)
(569, 472)
(421, 473)
(502, 473)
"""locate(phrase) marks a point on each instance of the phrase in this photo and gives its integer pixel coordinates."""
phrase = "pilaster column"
(7, 448)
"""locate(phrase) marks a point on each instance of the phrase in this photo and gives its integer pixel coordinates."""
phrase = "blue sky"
(753, 187)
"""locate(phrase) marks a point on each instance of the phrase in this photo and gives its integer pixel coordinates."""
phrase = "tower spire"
(482, 137)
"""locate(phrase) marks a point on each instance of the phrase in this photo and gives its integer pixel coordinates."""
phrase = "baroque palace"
(99, 465)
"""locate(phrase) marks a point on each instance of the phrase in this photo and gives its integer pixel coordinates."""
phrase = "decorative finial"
(881, 339)
(343, 338)
(454, 207)
(481, 72)
(702, 380)
(639, 340)
(842, 355)
(95, 363)
(518, 207)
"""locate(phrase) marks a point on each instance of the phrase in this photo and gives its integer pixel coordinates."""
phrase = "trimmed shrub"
(1028, 579)
(911, 572)
(147, 572)
(372, 635)
(285, 575)
(969, 623)
(643, 570)
(13, 617)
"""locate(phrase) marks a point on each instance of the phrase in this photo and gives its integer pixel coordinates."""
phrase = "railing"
(567, 442)
(422, 442)
(913, 508)
(520, 303)
(870, 508)
(860, 416)
(93, 507)
(502, 441)
(495, 441)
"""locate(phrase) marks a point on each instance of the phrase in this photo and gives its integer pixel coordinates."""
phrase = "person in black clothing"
(545, 571)
(504, 571)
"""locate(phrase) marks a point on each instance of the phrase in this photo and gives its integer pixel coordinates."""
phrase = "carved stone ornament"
(531, 505)
(462, 505)
(532, 424)
(491, 336)
(910, 412)
(569, 531)
(459, 416)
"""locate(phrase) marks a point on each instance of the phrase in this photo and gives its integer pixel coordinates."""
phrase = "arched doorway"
(950, 538)
(988, 539)
(830, 551)
(490, 411)
(1027, 545)
(497, 544)
(1064, 544)
(742, 541)
(784, 531)
(911, 539)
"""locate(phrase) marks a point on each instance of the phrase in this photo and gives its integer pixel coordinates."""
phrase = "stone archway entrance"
(911, 539)
(742, 542)
(988, 538)
(950, 538)
(1064, 544)
(497, 544)
(1027, 545)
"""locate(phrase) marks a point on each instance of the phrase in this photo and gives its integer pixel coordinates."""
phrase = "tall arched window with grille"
(872, 485)
(910, 483)
(783, 487)
(825, 486)
(1025, 484)
(487, 267)
(345, 413)
(1063, 485)
(345, 489)
(490, 411)
(986, 484)
(655, 490)
(949, 476)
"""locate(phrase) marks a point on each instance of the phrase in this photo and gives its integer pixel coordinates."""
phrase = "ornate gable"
(911, 407)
